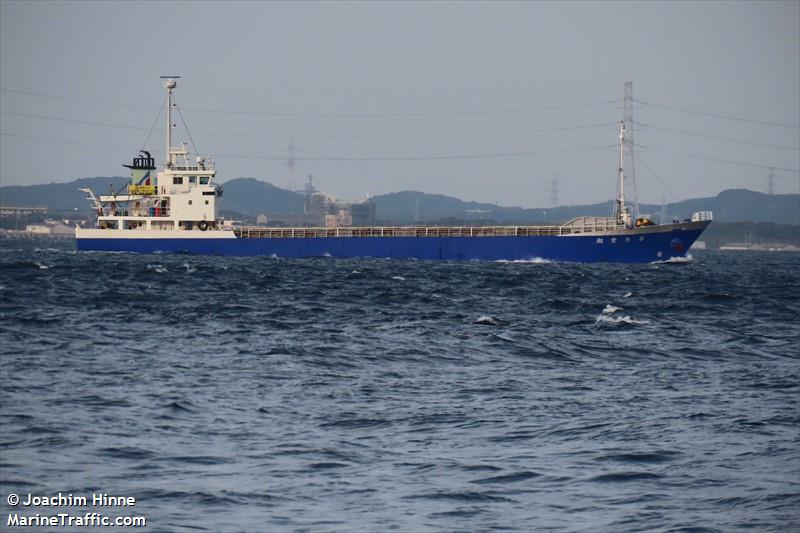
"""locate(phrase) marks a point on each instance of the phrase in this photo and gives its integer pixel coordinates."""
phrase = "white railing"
(254, 232)
(193, 168)
(591, 224)
(575, 226)
(701, 216)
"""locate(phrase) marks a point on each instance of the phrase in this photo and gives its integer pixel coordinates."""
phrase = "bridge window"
(177, 180)
(192, 179)
(203, 180)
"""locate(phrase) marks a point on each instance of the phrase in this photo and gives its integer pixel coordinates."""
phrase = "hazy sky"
(484, 101)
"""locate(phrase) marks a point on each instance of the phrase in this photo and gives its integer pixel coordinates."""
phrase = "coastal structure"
(324, 210)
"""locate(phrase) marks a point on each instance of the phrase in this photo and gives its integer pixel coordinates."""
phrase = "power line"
(75, 99)
(716, 115)
(40, 139)
(160, 109)
(729, 139)
(649, 170)
(325, 137)
(406, 158)
(416, 114)
(283, 158)
(448, 157)
(74, 121)
(390, 137)
(301, 114)
(731, 162)
(422, 158)
(185, 126)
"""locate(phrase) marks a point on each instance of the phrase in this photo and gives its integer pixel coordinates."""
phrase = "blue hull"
(636, 246)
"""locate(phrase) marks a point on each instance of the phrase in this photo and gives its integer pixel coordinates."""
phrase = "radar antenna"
(169, 84)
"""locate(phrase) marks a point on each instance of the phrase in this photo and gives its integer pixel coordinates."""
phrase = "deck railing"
(258, 232)
(574, 226)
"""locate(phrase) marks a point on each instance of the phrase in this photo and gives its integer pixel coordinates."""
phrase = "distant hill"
(741, 205)
(412, 206)
(408, 207)
(763, 233)
(243, 195)
(250, 196)
(734, 205)
(59, 196)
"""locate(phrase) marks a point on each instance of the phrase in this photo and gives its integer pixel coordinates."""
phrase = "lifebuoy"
(202, 226)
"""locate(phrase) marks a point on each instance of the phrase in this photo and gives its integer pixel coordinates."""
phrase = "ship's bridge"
(180, 175)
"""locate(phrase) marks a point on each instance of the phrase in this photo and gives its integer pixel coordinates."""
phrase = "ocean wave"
(487, 320)
(157, 268)
(476, 396)
(619, 320)
(532, 261)
(678, 260)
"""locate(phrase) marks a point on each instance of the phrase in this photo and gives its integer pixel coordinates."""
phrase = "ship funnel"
(143, 176)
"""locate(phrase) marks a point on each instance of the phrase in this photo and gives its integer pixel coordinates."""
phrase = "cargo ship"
(174, 209)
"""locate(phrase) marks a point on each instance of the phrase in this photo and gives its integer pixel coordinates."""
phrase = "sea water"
(263, 394)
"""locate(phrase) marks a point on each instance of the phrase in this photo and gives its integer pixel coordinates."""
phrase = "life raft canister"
(202, 226)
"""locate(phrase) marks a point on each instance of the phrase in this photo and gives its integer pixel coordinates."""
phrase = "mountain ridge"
(251, 196)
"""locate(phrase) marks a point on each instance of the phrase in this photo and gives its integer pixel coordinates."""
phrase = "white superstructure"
(180, 200)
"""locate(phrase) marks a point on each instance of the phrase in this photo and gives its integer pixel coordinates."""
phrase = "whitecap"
(399, 278)
(628, 295)
(611, 309)
(532, 260)
(680, 260)
(487, 320)
(616, 320)
(40, 265)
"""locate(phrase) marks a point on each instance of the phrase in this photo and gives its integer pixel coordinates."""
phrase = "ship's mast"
(619, 208)
(169, 85)
(630, 173)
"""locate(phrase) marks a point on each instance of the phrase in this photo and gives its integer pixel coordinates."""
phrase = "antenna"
(169, 85)
(291, 162)
(627, 118)
(619, 205)
(309, 191)
(310, 185)
(771, 181)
